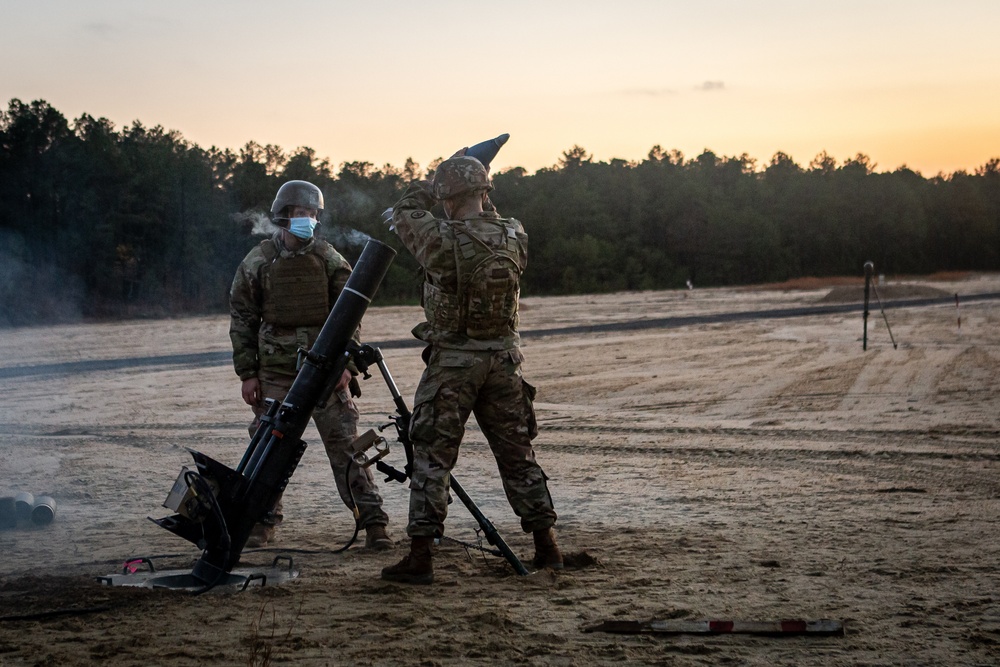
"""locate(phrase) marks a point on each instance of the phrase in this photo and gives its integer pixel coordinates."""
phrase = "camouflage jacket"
(432, 241)
(261, 345)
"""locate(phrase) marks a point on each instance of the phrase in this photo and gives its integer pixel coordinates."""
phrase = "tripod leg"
(894, 346)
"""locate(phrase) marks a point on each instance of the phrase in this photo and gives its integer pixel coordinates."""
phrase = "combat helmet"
(295, 193)
(458, 175)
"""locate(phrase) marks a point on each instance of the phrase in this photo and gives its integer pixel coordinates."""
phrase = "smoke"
(32, 292)
(345, 237)
(349, 205)
(356, 202)
(256, 222)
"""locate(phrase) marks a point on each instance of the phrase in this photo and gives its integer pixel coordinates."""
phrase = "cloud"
(649, 92)
(711, 86)
(704, 87)
(100, 29)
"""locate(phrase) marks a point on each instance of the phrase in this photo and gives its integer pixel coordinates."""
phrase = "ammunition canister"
(8, 517)
(23, 504)
(44, 510)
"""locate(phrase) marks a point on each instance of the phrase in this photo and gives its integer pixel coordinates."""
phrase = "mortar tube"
(44, 510)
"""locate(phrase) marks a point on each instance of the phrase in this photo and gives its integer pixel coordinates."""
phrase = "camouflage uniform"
(266, 344)
(473, 365)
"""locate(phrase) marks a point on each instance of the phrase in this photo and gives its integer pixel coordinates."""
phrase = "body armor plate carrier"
(485, 306)
(295, 289)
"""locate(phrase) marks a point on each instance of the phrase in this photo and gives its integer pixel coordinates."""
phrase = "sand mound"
(849, 293)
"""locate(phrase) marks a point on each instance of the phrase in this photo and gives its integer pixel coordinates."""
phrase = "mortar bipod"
(366, 355)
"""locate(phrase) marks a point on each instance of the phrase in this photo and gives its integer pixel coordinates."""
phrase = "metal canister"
(24, 502)
(8, 517)
(44, 510)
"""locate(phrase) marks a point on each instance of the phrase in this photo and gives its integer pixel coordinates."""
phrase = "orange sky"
(914, 83)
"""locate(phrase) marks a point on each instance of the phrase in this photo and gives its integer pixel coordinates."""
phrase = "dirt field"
(758, 469)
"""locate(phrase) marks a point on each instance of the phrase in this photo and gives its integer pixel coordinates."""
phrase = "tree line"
(105, 222)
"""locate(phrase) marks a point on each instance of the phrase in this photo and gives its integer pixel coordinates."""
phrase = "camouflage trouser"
(489, 385)
(337, 424)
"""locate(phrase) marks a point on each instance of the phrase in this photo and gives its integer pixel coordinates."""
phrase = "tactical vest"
(296, 290)
(485, 305)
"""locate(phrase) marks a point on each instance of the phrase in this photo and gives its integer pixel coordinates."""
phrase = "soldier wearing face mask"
(280, 298)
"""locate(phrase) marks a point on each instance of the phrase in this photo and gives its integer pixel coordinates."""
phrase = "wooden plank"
(784, 628)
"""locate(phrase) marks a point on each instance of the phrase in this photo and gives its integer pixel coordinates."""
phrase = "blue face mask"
(302, 227)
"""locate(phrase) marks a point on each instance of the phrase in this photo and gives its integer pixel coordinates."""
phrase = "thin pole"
(869, 268)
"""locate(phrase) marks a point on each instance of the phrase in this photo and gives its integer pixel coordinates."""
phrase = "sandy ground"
(751, 470)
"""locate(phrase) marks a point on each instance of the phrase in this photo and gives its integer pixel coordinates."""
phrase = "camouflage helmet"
(458, 175)
(296, 193)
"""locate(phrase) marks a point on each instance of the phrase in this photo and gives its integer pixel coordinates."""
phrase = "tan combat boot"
(261, 534)
(416, 566)
(377, 539)
(546, 550)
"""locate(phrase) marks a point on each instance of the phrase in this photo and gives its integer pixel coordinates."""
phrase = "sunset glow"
(914, 83)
